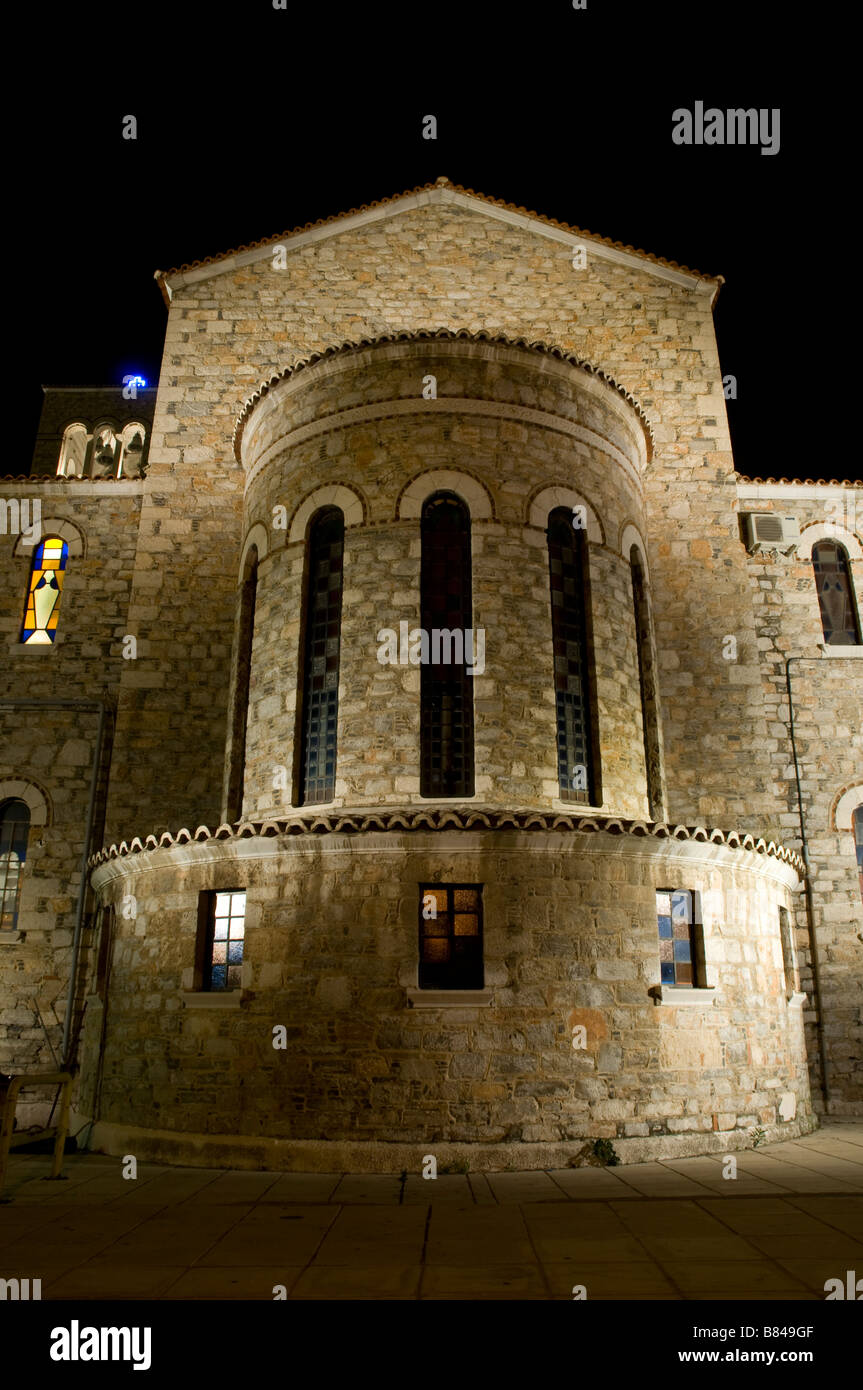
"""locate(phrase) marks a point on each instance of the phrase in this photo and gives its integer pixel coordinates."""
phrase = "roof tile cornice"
(449, 818)
(430, 335)
(161, 276)
(801, 482)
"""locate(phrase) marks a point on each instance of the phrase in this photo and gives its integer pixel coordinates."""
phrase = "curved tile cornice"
(450, 818)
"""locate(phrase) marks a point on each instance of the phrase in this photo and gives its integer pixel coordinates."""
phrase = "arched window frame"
(578, 756)
(857, 827)
(446, 688)
(849, 633)
(75, 430)
(316, 744)
(14, 836)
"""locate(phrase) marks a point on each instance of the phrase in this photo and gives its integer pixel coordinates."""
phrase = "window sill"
(841, 649)
(449, 998)
(796, 999)
(213, 999)
(685, 995)
(9, 938)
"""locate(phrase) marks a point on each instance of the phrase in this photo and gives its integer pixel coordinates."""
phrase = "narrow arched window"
(839, 619)
(315, 777)
(647, 683)
(14, 829)
(73, 451)
(446, 617)
(577, 754)
(42, 611)
(857, 822)
(245, 637)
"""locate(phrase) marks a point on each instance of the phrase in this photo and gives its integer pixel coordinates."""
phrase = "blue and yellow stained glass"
(46, 586)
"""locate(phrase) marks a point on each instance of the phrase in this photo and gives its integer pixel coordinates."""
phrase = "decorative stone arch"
(845, 806)
(631, 536)
(828, 531)
(335, 495)
(547, 498)
(14, 789)
(54, 526)
(73, 450)
(471, 491)
(258, 538)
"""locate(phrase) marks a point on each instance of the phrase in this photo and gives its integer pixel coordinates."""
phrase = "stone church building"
(415, 737)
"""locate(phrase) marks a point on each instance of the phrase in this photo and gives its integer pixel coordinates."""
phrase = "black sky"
(252, 121)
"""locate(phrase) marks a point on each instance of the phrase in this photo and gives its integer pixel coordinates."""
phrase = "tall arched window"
(245, 636)
(14, 829)
(647, 682)
(446, 690)
(835, 594)
(73, 451)
(43, 596)
(577, 754)
(857, 822)
(315, 770)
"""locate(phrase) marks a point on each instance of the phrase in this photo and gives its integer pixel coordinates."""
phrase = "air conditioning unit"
(768, 531)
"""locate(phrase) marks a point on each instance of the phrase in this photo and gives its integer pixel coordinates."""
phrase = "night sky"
(252, 121)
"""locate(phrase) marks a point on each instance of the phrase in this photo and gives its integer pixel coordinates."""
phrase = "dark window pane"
(566, 561)
(839, 619)
(321, 658)
(446, 690)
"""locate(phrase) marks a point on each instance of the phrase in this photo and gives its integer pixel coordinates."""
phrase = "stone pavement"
(791, 1219)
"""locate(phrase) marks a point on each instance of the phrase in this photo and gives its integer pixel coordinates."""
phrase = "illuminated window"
(647, 684)
(105, 453)
(46, 586)
(681, 947)
(73, 452)
(835, 595)
(14, 829)
(131, 458)
(857, 821)
(446, 689)
(221, 933)
(319, 716)
(577, 763)
(450, 931)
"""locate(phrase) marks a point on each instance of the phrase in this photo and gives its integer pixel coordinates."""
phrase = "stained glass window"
(835, 595)
(676, 915)
(788, 961)
(646, 681)
(320, 709)
(14, 829)
(227, 928)
(567, 566)
(245, 637)
(450, 945)
(446, 689)
(43, 596)
(857, 821)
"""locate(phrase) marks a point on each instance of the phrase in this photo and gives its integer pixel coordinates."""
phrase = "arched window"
(647, 683)
(835, 594)
(14, 829)
(315, 771)
(857, 822)
(577, 754)
(446, 691)
(105, 453)
(43, 596)
(245, 636)
(132, 439)
(73, 452)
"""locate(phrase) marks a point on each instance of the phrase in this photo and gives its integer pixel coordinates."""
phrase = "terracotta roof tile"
(804, 482)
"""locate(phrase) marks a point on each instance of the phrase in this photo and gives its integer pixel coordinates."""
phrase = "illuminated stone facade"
(441, 344)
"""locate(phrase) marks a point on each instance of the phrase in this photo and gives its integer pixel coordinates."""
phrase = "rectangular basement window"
(220, 940)
(450, 936)
(681, 938)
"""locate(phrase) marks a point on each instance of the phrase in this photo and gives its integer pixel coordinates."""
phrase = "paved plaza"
(791, 1219)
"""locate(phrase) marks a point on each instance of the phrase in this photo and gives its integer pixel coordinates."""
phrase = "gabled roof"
(441, 191)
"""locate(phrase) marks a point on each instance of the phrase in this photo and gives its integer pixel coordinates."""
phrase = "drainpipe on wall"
(103, 708)
(807, 885)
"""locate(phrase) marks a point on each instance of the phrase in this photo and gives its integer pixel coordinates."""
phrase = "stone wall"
(827, 698)
(570, 939)
(51, 751)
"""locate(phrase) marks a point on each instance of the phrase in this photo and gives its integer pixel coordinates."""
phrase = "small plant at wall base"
(604, 1151)
(758, 1136)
